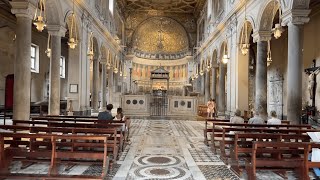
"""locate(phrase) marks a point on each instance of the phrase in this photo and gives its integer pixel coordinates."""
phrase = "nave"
(161, 149)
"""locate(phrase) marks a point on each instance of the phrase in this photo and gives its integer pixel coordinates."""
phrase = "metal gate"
(159, 104)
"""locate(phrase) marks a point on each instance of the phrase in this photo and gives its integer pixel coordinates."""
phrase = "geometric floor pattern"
(161, 149)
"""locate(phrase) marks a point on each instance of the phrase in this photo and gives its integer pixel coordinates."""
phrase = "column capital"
(261, 36)
(23, 9)
(56, 30)
(295, 16)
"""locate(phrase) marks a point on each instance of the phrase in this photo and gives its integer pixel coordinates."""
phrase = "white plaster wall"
(37, 86)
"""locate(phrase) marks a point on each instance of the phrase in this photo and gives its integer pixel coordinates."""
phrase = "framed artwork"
(73, 88)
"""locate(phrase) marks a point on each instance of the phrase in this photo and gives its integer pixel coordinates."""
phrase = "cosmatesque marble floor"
(161, 149)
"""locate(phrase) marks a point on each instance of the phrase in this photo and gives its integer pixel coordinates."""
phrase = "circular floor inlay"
(159, 172)
(159, 160)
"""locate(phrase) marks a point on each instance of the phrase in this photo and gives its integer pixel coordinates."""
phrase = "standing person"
(211, 108)
(106, 115)
(256, 119)
(237, 119)
(274, 119)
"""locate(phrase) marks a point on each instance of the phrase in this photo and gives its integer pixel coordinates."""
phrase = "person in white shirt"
(256, 119)
(237, 119)
(274, 119)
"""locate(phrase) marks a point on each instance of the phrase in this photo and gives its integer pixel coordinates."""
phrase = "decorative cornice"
(295, 16)
(261, 36)
(56, 30)
(23, 9)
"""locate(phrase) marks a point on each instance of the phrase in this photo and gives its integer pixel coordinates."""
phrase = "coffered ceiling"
(177, 6)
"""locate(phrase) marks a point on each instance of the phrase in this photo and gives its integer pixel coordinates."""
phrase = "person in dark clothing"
(119, 115)
(106, 115)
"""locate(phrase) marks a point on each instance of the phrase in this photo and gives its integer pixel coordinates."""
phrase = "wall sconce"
(39, 19)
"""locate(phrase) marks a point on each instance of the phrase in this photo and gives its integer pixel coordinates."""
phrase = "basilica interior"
(63, 61)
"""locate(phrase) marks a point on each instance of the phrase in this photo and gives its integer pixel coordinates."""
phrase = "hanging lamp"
(90, 47)
(73, 39)
(48, 50)
(244, 37)
(115, 69)
(277, 30)
(225, 57)
(39, 19)
(269, 59)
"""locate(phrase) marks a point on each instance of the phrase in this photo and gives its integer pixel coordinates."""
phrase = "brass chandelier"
(39, 19)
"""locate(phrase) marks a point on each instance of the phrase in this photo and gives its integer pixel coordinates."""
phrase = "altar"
(177, 106)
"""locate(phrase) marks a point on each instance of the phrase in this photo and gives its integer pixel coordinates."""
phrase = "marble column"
(222, 90)
(295, 65)
(207, 87)
(103, 86)
(95, 87)
(214, 83)
(261, 79)
(56, 32)
(110, 85)
(22, 72)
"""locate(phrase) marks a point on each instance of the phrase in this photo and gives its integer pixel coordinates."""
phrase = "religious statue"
(311, 82)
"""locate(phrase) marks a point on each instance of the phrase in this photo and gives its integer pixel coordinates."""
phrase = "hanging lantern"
(39, 19)
(115, 70)
(73, 39)
(277, 30)
(90, 48)
(269, 59)
(244, 46)
(109, 60)
(48, 51)
(225, 57)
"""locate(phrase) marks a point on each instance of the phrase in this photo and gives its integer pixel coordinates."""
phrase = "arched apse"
(160, 38)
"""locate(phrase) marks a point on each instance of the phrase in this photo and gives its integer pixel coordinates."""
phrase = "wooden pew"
(243, 144)
(217, 127)
(281, 155)
(214, 120)
(110, 133)
(120, 137)
(54, 155)
(82, 119)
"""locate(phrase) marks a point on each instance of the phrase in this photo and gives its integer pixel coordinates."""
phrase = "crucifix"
(312, 81)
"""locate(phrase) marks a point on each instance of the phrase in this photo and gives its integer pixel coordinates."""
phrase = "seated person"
(106, 115)
(237, 119)
(274, 119)
(120, 115)
(256, 119)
